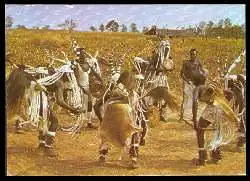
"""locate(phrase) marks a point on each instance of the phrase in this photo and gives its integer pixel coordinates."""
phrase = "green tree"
(124, 28)
(133, 27)
(92, 28)
(21, 27)
(9, 22)
(227, 23)
(221, 23)
(202, 24)
(209, 28)
(102, 28)
(210, 24)
(112, 26)
(46, 27)
(35, 27)
(236, 32)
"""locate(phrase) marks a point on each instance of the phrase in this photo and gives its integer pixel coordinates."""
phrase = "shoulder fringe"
(221, 101)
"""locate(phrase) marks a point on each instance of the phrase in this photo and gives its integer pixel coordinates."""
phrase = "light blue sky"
(86, 15)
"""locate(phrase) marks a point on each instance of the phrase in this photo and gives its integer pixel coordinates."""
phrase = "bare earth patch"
(169, 150)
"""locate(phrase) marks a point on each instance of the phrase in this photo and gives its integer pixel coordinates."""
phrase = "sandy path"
(169, 150)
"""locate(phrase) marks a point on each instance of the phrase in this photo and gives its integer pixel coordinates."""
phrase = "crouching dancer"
(217, 124)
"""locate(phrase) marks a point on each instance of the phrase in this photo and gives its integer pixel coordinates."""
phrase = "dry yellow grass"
(27, 46)
(169, 147)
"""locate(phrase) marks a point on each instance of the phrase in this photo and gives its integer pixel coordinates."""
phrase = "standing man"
(192, 72)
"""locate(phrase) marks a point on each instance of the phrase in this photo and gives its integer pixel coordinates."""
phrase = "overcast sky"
(168, 15)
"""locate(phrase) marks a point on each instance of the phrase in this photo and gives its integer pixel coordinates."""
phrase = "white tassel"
(223, 128)
(76, 100)
(35, 106)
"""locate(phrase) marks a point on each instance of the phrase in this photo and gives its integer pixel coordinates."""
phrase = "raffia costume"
(217, 124)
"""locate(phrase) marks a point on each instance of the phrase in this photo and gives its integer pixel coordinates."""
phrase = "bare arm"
(60, 99)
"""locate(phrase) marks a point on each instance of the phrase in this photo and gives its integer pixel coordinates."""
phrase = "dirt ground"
(169, 150)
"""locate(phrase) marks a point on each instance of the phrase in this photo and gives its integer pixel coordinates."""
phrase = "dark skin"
(196, 95)
(82, 61)
(59, 89)
(193, 55)
(187, 74)
(234, 90)
(60, 99)
(185, 71)
(85, 67)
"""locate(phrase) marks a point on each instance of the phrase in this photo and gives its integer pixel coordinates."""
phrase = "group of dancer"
(69, 87)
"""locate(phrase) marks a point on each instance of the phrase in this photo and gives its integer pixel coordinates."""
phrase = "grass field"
(27, 47)
(170, 146)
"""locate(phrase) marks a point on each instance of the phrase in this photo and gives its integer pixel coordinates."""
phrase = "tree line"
(223, 28)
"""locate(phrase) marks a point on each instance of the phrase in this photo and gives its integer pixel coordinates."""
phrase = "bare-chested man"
(193, 73)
